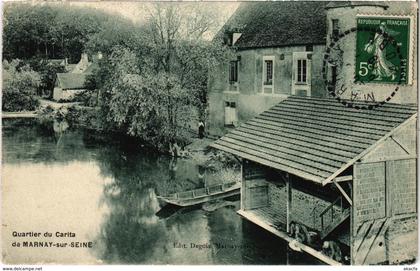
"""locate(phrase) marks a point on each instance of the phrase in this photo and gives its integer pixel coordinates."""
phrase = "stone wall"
(302, 205)
(249, 99)
(403, 175)
(369, 192)
(387, 189)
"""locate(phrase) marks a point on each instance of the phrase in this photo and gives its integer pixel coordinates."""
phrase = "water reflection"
(105, 190)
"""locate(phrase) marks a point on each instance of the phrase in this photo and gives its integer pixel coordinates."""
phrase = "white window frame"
(307, 85)
(264, 74)
(303, 68)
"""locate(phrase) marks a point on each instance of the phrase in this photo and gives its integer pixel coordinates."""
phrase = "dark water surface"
(104, 190)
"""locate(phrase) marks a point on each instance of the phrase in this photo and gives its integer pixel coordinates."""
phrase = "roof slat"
(358, 121)
(360, 115)
(275, 159)
(355, 146)
(286, 151)
(315, 139)
(269, 163)
(295, 144)
(343, 125)
(351, 136)
(387, 107)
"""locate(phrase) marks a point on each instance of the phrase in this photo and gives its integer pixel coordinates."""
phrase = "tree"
(179, 37)
(20, 85)
(48, 31)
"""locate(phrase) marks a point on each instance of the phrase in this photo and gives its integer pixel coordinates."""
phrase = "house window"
(233, 72)
(301, 71)
(268, 72)
(335, 29)
(309, 48)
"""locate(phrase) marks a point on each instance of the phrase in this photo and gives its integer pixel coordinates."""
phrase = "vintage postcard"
(209, 133)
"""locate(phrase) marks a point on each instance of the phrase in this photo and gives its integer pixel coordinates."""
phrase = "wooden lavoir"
(345, 176)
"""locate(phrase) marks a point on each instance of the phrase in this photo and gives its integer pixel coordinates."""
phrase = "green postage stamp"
(383, 50)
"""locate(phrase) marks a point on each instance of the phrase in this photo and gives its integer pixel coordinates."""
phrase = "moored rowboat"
(201, 195)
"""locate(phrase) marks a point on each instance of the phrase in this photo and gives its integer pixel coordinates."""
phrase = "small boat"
(201, 195)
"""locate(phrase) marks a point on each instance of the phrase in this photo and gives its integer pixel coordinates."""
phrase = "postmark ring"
(331, 89)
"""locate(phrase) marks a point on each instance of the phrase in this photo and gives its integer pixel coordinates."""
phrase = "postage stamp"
(382, 54)
(383, 48)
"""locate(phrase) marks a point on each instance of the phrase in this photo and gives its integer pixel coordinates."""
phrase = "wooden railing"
(330, 209)
(202, 191)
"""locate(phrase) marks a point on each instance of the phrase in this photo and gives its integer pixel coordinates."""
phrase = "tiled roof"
(279, 23)
(71, 80)
(313, 138)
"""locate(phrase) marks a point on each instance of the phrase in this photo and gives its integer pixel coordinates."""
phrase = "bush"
(46, 116)
(218, 160)
(17, 101)
(76, 116)
(20, 84)
(86, 98)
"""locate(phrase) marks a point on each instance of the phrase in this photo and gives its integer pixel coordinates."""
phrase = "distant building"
(67, 85)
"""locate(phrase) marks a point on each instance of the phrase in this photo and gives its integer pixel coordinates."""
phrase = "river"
(103, 189)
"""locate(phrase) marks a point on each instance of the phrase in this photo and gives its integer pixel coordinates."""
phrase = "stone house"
(345, 175)
(279, 49)
(68, 84)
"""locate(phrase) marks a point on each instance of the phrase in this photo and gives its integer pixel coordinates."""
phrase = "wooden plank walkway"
(24, 114)
(263, 223)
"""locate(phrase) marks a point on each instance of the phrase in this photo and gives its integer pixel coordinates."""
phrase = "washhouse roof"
(315, 139)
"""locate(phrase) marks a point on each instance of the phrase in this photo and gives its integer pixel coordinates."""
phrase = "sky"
(136, 11)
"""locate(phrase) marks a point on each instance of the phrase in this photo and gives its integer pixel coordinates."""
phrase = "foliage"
(76, 116)
(86, 98)
(152, 79)
(46, 115)
(20, 84)
(48, 31)
(154, 85)
(218, 160)
(153, 107)
(80, 116)
(178, 38)
(48, 71)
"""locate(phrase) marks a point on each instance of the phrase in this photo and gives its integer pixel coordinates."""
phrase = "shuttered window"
(233, 72)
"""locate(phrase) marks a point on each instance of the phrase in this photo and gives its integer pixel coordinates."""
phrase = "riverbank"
(22, 114)
(34, 113)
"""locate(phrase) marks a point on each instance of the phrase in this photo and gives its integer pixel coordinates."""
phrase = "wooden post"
(289, 202)
(388, 194)
(243, 187)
